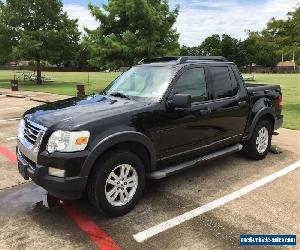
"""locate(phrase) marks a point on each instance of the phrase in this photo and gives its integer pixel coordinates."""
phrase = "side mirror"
(180, 101)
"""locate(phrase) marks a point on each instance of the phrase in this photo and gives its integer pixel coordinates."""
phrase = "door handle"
(242, 103)
(205, 111)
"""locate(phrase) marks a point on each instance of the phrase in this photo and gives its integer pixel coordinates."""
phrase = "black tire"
(97, 182)
(250, 148)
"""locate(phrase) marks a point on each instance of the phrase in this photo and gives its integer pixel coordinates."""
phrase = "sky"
(199, 19)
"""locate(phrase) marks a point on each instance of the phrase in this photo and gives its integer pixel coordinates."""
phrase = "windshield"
(148, 82)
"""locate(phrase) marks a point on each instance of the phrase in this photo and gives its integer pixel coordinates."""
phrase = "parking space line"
(11, 138)
(20, 107)
(9, 155)
(152, 231)
(11, 119)
(99, 237)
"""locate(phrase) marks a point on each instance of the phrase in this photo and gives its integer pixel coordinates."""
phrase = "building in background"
(287, 66)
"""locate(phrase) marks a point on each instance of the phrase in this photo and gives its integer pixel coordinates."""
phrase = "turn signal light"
(81, 140)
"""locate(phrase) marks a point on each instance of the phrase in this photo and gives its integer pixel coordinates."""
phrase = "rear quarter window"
(224, 83)
(234, 83)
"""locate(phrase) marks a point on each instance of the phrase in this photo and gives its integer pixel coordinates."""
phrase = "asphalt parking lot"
(30, 219)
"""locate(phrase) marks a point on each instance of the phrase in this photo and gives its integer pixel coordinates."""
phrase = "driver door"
(186, 131)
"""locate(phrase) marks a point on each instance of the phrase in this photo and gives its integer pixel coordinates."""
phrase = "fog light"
(56, 172)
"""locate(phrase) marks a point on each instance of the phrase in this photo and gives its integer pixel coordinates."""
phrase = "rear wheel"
(117, 182)
(259, 144)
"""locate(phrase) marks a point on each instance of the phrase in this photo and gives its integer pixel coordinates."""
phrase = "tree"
(6, 39)
(226, 46)
(211, 46)
(259, 50)
(131, 30)
(38, 30)
(285, 34)
(231, 49)
(82, 57)
(190, 51)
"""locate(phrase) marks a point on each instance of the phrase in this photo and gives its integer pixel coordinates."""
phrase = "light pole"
(294, 58)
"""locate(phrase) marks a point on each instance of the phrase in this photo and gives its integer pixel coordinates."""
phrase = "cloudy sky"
(201, 18)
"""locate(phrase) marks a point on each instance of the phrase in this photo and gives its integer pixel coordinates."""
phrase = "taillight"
(280, 102)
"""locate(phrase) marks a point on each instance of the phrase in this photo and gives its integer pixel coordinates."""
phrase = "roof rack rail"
(182, 59)
(159, 59)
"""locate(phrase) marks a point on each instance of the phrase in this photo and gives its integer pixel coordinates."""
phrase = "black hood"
(75, 112)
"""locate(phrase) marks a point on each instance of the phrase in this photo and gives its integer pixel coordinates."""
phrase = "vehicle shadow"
(163, 199)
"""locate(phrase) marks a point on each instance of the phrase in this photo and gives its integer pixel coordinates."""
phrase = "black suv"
(158, 118)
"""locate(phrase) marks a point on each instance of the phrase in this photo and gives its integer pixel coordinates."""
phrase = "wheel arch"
(263, 114)
(135, 142)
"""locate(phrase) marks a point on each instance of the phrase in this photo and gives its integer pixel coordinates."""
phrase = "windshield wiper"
(119, 94)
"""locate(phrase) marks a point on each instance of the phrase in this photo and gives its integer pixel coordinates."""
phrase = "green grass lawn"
(65, 83)
(290, 86)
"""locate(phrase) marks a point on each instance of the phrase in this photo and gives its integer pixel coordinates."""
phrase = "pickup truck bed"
(256, 87)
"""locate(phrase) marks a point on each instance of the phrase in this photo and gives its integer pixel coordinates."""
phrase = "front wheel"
(117, 183)
(259, 144)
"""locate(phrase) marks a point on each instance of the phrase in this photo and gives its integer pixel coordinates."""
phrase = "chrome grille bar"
(33, 132)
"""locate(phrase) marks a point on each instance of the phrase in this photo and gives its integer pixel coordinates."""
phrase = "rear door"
(230, 106)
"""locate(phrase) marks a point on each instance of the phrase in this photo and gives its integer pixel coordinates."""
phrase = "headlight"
(21, 128)
(67, 141)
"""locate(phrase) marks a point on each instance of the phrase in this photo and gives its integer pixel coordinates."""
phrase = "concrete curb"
(40, 100)
(16, 95)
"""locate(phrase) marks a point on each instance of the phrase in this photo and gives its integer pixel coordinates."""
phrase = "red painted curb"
(100, 238)
(9, 155)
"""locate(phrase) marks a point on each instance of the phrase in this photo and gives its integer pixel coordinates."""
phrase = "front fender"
(118, 137)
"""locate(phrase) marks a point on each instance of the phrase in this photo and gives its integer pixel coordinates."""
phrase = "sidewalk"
(34, 96)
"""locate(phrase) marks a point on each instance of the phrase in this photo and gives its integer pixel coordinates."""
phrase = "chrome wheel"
(121, 185)
(262, 140)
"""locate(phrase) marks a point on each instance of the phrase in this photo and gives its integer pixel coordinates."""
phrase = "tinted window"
(234, 84)
(192, 82)
(221, 82)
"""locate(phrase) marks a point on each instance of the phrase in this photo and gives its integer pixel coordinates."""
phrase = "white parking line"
(11, 138)
(11, 119)
(27, 106)
(152, 231)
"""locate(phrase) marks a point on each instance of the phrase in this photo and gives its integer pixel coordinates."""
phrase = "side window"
(221, 82)
(234, 84)
(192, 82)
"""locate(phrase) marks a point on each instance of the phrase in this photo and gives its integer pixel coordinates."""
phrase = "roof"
(176, 60)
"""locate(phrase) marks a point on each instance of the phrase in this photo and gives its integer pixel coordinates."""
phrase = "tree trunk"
(38, 72)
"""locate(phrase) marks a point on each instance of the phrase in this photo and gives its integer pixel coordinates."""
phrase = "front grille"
(31, 132)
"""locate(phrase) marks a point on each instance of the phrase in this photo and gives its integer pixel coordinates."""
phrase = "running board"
(159, 174)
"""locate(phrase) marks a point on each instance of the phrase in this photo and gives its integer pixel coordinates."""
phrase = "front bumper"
(68, 188)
